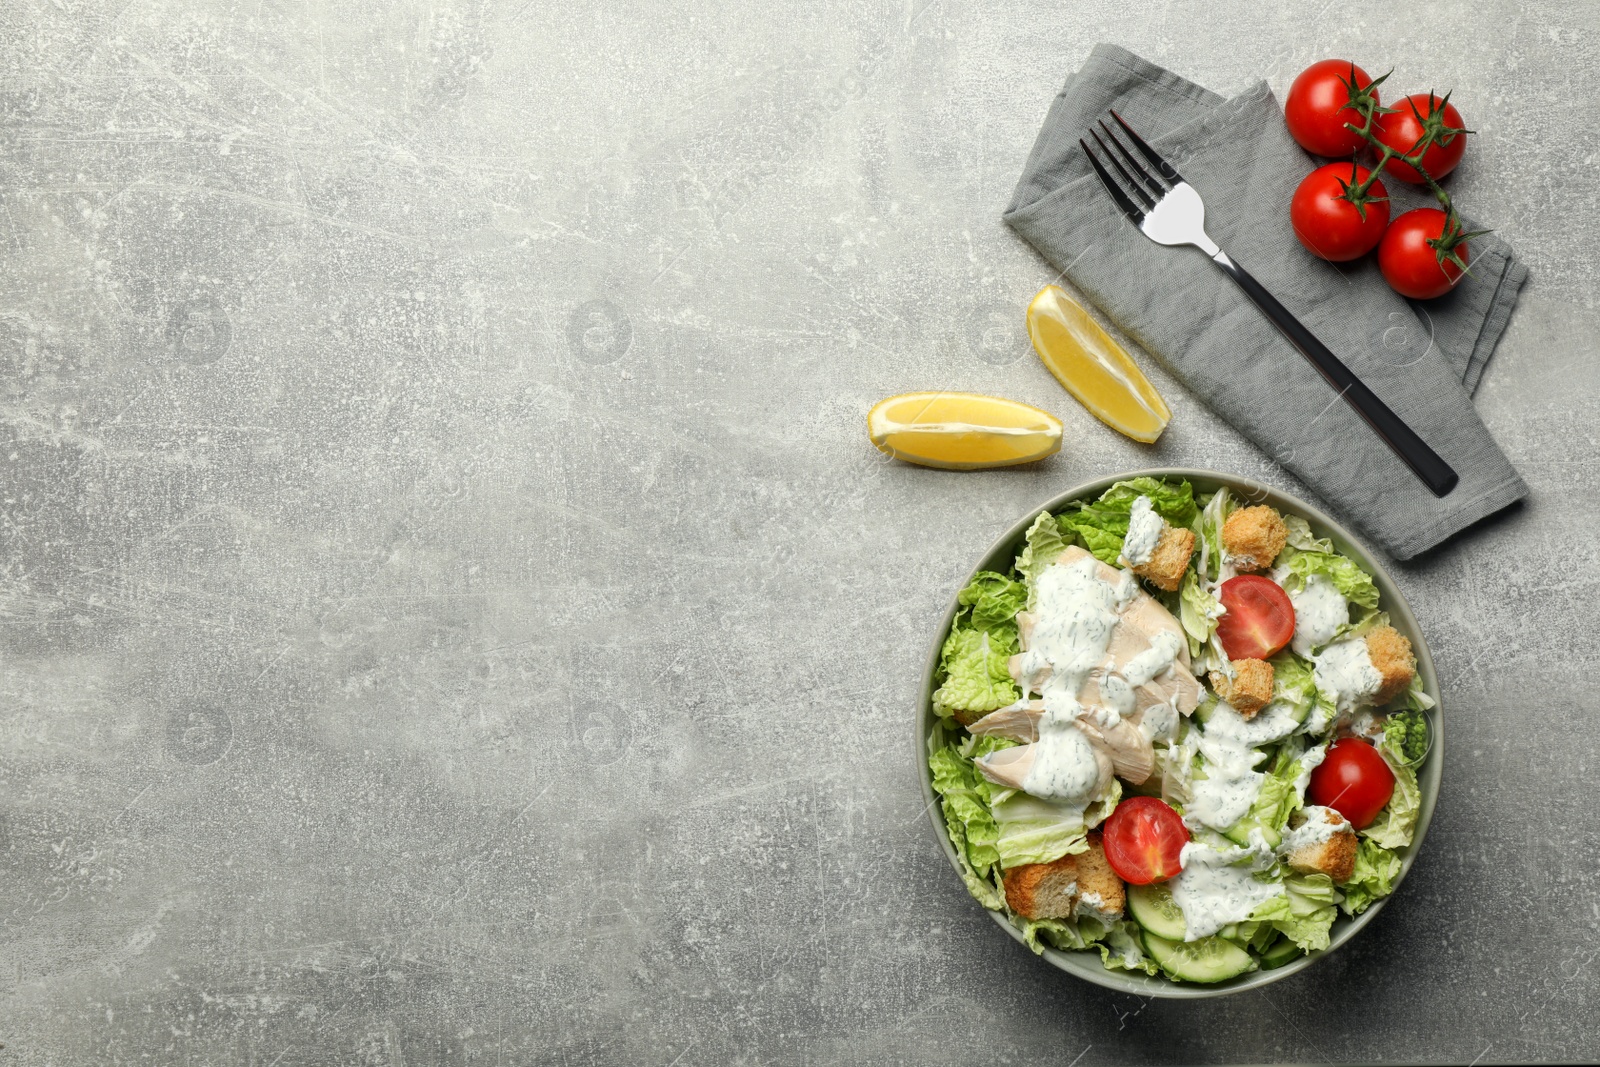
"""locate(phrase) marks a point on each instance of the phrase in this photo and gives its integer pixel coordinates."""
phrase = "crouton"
(1101, 894)
(1391, 654)
(1253, 537)
(1169, 560)
(1043, 890)
(1334, 856)
(1081, 884)
(1250, 688)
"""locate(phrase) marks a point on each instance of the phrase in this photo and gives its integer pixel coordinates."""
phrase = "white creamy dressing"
(1319, 610)
(1318, 719)
(1159, 722)
(1316, 830)
(1075, 613)
(1144, 533)
(1064, 764)
(1345, 675)
(1153, 660)
(1367, 725)
(1117, 694)
(1225, 570)
(1309, 762)
(1231, 783)
(1213, 889)
(1272, 723)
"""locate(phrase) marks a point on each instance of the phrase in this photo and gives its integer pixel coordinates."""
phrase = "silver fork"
(1169, 211)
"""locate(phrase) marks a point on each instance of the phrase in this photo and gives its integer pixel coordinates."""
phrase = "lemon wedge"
(962, 431)
(1093, 367)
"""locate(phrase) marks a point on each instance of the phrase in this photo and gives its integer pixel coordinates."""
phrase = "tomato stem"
(1364, 102)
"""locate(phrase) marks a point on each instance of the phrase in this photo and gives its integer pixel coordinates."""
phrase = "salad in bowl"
(1175, 733)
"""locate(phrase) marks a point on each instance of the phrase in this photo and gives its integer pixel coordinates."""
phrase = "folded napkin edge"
(1496, 498)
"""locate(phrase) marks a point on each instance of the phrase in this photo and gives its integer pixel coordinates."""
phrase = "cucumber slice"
(1279, 952)
(1239, 832)
(1210, 959)
(1153, 908)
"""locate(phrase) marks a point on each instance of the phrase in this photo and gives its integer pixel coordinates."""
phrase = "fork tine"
(1167, 170)
(1155, 186)
(1146, 198)
(1129, 208)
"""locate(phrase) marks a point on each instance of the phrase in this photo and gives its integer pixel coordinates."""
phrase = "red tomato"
(1259, 620)
(1353, 780)
(1402, 130)
(1318, 107)
(1329, 225)
(1410, 265)
(1144, 839)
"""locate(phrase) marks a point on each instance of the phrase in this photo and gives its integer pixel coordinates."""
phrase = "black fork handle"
(1427, 464)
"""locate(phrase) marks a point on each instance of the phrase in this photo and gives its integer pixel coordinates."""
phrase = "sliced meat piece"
(1131, 754)
(1143, 611)
(1015, 723)
(1010, 766)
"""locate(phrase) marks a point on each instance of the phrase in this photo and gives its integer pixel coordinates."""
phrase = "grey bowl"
(1087, 965)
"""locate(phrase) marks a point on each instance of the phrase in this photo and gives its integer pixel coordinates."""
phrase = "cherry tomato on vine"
(1317, 108)
(1353, 780)
(1410, 264)
(1402, 130)
(1331, 226)
(1144, 840)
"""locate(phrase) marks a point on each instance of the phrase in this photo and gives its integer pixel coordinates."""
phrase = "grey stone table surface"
(452, 613)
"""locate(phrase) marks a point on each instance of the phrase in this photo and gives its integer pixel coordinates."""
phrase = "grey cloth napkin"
(1423, 359)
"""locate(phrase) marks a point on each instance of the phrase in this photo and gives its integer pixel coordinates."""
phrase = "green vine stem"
(1364, 102)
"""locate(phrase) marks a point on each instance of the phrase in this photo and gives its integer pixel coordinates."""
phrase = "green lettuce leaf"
(1044, 545)
(1173, 501)
(1302, 539)
(992, 601)
(1198, 611)
(977, 678)
(1102, 534)
(966, 793)
(1216, 512)
(1375, 871)
(1057, 933)
(1362, 626)
(1122, 949)
(1037, 831)
(1415, 698)
(1276, 800)
(1349, 579)
(1120, 946)
(1102, 526)
(1398, 819)
(1294, 683)
(1306, 911)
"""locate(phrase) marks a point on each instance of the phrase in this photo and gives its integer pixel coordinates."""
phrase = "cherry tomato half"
(1402, 130)
(1318, 107)
(1353, 780)
(1330, 226)
(1259, 620)
(1144, 840)
(1410, 265)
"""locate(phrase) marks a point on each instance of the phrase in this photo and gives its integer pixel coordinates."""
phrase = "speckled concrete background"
(452, 612)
